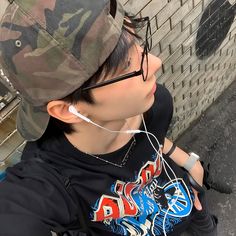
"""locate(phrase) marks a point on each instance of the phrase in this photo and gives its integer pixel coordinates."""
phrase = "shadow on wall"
(214, 26)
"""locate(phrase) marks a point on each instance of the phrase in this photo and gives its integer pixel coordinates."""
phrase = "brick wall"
(194, 82)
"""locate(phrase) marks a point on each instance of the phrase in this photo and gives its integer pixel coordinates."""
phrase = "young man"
(97, 161)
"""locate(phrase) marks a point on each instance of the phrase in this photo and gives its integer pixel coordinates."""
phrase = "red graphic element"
(110, 207)
(130, 208)
(149, 171)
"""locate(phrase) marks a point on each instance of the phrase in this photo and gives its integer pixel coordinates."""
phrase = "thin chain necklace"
(124, 160)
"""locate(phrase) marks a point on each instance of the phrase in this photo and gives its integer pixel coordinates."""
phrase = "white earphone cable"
(73, 110)
(164, 163)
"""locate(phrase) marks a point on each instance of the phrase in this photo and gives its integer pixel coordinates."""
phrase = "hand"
(197, 173)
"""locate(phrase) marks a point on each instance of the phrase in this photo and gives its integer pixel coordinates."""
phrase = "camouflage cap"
(50, 48)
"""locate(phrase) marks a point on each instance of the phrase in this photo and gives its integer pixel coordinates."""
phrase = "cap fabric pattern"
(50, 48)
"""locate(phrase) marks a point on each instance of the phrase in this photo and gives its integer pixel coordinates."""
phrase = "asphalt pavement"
(213, 137)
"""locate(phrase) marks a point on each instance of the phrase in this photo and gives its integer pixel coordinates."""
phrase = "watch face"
(192, 154)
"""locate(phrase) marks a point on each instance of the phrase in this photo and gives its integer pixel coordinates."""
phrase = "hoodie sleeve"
(34, 201)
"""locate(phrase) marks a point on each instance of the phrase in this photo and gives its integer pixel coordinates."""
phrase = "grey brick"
(192, 15)
(191, 60)
(232, 31)
(153, 7)
(156, 50)
(170, 37)
(189, 43)
(164, 54)
(195, 24)
(135, 6)
(193, 75)
(167, 11)
(180, 13)
(179, 91)
(172, 77)
(161, 32)
(181, 61)
(166, 78)
(233, 28)
(196, 2)
(153, 23)
(172, 58)
(180, 39)
(233, 24)
(226, 41)
(195, 63)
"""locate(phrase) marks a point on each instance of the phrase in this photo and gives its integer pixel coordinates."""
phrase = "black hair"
(110, 66)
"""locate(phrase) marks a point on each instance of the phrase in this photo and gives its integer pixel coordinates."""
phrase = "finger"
(197, 202)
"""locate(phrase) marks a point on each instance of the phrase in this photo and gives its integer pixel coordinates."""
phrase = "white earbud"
(73, 110)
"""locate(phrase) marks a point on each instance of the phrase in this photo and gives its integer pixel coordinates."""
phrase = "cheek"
(116, 91)
(121, 100)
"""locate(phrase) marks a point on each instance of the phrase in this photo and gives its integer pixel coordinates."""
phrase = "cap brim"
(31, 121)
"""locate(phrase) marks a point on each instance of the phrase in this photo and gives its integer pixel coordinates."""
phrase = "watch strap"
(172, 149)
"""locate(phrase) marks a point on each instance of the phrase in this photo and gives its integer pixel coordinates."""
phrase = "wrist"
(172, 149)
(197, 168)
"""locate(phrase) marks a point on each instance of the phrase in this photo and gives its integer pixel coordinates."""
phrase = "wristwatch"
(193, 158)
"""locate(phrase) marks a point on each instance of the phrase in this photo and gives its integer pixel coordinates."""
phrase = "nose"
(154, 64)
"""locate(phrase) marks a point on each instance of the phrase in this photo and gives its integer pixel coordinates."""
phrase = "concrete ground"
(213, 137)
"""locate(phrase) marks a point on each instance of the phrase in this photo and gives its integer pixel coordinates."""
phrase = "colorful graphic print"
(140, 207)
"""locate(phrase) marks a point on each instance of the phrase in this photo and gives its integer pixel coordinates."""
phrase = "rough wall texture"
(195, 40)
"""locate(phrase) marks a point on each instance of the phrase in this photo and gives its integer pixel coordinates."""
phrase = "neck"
(94, 140)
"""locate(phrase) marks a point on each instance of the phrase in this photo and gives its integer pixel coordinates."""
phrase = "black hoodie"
(55, 187)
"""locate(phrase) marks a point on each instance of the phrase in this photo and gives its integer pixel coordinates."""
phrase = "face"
(126, 98)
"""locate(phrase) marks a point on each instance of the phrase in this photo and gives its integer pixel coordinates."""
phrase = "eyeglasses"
(147, 45)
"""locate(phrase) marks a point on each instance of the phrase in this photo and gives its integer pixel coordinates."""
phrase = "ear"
(60, 110)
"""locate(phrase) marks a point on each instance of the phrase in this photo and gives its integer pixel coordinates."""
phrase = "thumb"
(197, 202)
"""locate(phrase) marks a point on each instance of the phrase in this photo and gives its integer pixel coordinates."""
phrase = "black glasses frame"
(146, 49)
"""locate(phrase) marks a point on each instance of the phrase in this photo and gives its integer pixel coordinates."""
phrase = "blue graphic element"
(157, 228)
(149, 220)
(154, 156)
(180, 202)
